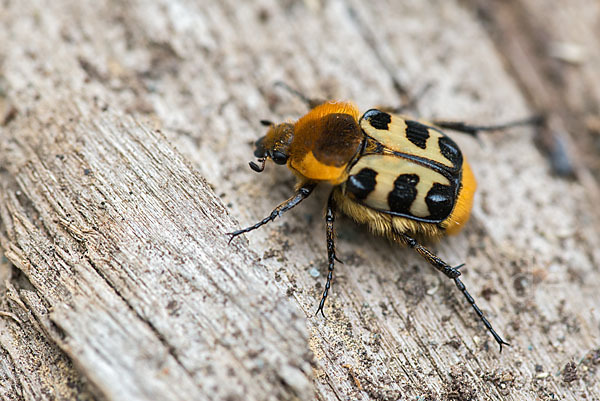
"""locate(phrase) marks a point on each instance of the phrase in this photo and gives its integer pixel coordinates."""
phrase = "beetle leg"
(474, 129)
(410, 101)
(453, 273)
(302, 193)
(311, 103)
(486, 322)
(329, 219)
(439, 264)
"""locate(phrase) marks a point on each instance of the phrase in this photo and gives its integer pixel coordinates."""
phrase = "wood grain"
(125, 155)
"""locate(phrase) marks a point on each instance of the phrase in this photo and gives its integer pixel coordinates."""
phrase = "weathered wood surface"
(118, 282)
(554, 57)
(133, 275)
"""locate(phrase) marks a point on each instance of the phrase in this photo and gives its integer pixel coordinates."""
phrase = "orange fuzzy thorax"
(324, 141)
(323, 110)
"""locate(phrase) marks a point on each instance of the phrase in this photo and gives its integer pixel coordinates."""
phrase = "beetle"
(403, 178)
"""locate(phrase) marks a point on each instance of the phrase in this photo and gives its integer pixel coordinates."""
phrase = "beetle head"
(275, 145)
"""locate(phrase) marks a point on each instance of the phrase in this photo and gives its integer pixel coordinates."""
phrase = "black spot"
(440, 201)
(378, 119)
(450, 151)
(362, 184)
(404, 193)
(417, 133)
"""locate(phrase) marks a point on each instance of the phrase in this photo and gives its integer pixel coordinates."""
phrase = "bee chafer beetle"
(405, 179)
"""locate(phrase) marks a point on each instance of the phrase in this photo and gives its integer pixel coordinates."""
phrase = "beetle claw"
(231, 237)
(320, 309)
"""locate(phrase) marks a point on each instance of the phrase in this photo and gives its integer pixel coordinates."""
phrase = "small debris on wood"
(8, 112)
(502, 379)
(459, 387)
(568, 52)
(353, 376)
(569, 372)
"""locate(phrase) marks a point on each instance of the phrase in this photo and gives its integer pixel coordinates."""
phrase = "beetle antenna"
(256, 167)
(266, 123)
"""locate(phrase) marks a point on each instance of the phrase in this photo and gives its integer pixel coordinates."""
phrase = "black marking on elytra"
(378, 119)
(362, 184)
(417, 133)
(451, 151)
(404, 193)
(440, 201)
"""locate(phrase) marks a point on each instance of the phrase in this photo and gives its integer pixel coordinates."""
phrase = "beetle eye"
(279, 157)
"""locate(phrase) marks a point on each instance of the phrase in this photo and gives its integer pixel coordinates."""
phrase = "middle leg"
(331, 258)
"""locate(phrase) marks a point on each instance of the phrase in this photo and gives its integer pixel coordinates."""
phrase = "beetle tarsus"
(486, 322)
(453, 273)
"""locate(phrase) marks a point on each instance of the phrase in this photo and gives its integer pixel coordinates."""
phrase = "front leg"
(301, 193)
(453, 273)
(331, 258)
